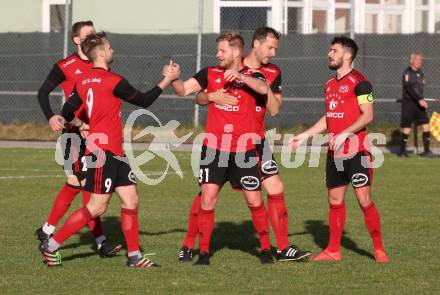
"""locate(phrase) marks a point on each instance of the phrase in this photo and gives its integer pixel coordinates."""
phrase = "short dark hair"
(234, 39)
(91, 42)
(348, 43)
(76, 27)
(262, 33)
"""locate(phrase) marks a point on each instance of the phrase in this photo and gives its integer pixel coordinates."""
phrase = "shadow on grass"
(320, 233)
(112, 229)
(235, 236)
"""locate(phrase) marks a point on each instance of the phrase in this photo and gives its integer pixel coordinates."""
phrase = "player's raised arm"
(126, 92)
(55, 78)
(198, 82)
(184, 88)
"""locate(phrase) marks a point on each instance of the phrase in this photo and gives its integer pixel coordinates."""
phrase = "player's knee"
(96, 209)
(132, 203)
(364, 197)
(335, 199)
(273, 186)
(254, 203)
(73, 181)
(253, 199)
(209, 199)
(365, 201)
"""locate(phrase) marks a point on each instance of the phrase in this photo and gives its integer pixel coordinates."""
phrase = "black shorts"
(74, 154)
(114, 171)
(242, 170)
(413, 112)
(356, 170)
(269, 166)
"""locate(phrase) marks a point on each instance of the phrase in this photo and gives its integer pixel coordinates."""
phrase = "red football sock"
(277, 211)
(193, 223)
(95, 223)
(336, 222)
(130, 228)
(76, 221)
(62, 204)
(372, 221)
(206, 225)
(261, 225)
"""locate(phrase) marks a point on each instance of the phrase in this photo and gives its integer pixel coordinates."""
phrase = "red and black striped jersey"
(100, 92)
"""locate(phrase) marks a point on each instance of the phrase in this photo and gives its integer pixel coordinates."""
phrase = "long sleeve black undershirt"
(126, 92)
(71, 106)
(123, 90)
(55, 78)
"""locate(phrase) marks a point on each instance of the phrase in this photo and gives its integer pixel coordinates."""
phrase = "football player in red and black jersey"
(100, 92)
(230, 139)
(65, 73)
(264, 45)
(349, 109)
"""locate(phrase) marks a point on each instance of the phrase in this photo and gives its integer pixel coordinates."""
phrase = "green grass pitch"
(406, 191)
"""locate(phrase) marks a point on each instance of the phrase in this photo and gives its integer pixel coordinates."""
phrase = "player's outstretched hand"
(423, 103)
(56, 122)
(221, 98)
(231, 75)
(297, 140)
(171, 71)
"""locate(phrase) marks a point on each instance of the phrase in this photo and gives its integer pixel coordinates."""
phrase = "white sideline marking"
(30, 176)
(148, 173)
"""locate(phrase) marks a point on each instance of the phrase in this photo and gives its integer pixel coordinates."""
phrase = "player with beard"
(349, 109)
(65, 73)
(230, 139)
(264, 45)
(101, 92)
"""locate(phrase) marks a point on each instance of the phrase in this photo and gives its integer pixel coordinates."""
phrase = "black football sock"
(403, 141)
(426, 140)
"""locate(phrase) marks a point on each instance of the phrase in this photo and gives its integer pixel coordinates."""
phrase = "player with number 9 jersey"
(101, 92)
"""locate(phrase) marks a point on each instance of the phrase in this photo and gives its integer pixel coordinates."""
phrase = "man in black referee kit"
(413, 105)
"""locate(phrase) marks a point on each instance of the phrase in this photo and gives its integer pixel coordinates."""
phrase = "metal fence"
(26, 59)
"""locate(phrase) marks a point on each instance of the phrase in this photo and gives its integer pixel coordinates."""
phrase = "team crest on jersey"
(344, 88)
(333, 104)
(250, 183)
(78, 71)
(218, 80)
